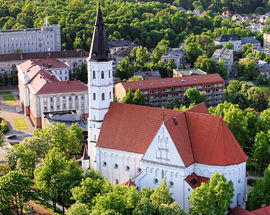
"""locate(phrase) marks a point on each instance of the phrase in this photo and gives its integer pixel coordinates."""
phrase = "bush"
(4, 126)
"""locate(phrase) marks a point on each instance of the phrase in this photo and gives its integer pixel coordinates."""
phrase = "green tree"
(161, 48)
(247, 49)
(260, 149)
(173, 102)
(192, 52)
(142, 56)
(145, 207)
(128, 99)
(138, 98)
(15, 190)
(248, 66)
(213, 197)
(258, 98)
(265, 116)
(206, 64)
(221, 68)
(171, 209)
(123, 69)
(135, 78)
(228, 45)
(78, 209)
(161, 194)
(193, 96)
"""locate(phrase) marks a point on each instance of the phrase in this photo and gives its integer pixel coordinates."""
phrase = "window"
(94, 96)
(103, 96)
(127, 168)
(116, 166)
(116, 181)
(109, 73)
(155, 180)
(139, 170)
(104, 163)
(94, 75)
(110, 95)
(102, 74)
(171, 183)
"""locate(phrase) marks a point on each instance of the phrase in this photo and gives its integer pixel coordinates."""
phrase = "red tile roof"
(200, 108)
(44, 63)
(173, 82)
(262, 211)
(128, 183)
(239, 211)
(198, 137)
(195, 181)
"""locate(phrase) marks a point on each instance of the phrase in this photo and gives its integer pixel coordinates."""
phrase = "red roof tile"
(128, 183)
(49, 63)
(198, 137)
(200, 108)
(239, 211)
(173, 82)
(262, 211)
(195, 181)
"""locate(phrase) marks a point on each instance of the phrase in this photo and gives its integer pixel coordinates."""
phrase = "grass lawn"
(20, 124)
(9, 99)
(5, 93)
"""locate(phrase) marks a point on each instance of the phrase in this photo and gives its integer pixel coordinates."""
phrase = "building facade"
(232, 38)
(158, 91)
(176, 55)
(187, 72)
(139, 145)
(227, 56)
(266, 41)
(42, 90)
(47, 38)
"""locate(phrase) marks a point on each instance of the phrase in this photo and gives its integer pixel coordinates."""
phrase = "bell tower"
(100, 84)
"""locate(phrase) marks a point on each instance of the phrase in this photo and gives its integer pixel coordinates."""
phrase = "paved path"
(37, 209)
(10, 112)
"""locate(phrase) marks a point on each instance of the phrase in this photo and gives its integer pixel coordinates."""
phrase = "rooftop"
(227, 38)
(195, 181)
(191, 71)
(174, 53)
(148, 74)
(121, 43)
(173, 82)
(249, 40)
(44, 55)
(225, 54)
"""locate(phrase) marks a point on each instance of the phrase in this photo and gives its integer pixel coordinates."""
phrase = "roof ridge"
(189, 136)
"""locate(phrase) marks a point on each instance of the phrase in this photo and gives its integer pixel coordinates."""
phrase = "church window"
(94, 75)
(239, 181)
(116, 166)
(171, 183)
(94, 96)
(104, 163)
(127, 168)
(139, 170)
(109, 73)
(103, 96)
(102, 74)
(95, 137)
(116, 181)
(110, 95)
(155, 180)
(188, 189)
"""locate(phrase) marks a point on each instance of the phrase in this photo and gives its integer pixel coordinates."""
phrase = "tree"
(265, 116)
(1, 139)
(173, 102)
(161, 48)
(260, 193)
(260, 149)
(138, 98)
(258, 98)
(192, 52)
(142, 56)
(171, 209)
(123, 69)
(247, 49)
(248, 66)
(221, 68)
(213, 197)
(4, 169)
(78, 209)
(57, 135)
(128, 99)
(228, 45)
(135, 78)
(15, 190)
(161, 195)
(206, 64)
(193, 96)
(145, 207)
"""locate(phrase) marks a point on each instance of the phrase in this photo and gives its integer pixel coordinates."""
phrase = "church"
(139, 145)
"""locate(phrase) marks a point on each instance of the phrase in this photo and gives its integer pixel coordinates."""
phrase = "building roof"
(43, 55)
(195, 181)
(123, 52)
(172, 53)
(128, 183)
(227, 38)
(121, 43)
(249, 40)
(211, 144)
(191, 71)
(173, 82)
(148, 74)
(99, 50)
(224, 53)
(240, 211)
(262, 211)
(48, 63)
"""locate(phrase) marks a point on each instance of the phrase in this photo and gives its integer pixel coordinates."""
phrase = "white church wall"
(116, 165)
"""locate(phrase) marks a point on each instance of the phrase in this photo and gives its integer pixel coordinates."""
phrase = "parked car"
(12, 136)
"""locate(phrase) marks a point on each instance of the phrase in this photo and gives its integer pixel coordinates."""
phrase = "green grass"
(5, 93)
(47, 207)
(9, 99)
(20, 124)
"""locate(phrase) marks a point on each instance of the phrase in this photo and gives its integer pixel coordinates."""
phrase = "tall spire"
(99, 48)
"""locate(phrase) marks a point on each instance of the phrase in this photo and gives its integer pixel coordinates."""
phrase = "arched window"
(103, 96)
(102, 74)
(110, 95)
(94, 75)
(109, 73)
(94, 96)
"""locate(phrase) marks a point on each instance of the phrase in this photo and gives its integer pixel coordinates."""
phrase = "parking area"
(13, 114)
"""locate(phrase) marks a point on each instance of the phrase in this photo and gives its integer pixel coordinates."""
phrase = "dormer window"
(102, 74)
(94, 75)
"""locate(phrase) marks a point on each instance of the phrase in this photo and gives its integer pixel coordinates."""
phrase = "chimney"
(174, 121)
